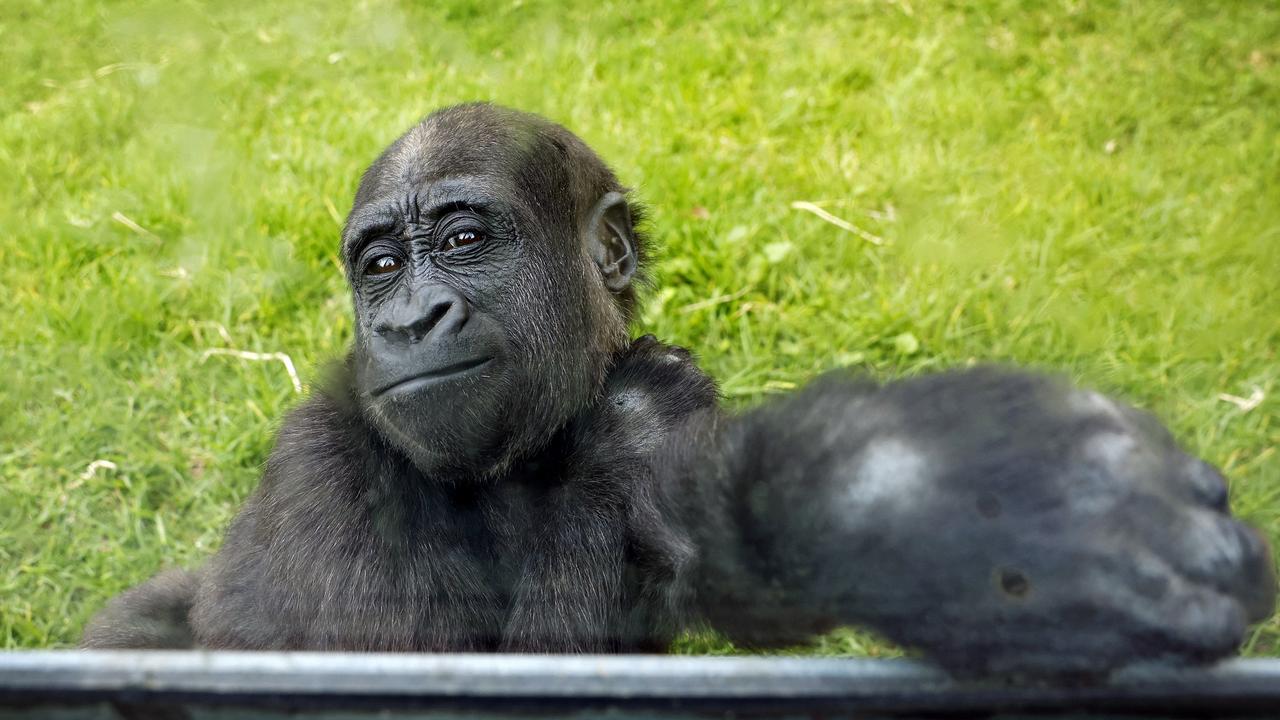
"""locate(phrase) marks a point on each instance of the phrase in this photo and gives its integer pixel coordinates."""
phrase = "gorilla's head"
(492, 258)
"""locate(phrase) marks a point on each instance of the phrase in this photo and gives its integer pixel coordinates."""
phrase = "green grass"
(1090, 187)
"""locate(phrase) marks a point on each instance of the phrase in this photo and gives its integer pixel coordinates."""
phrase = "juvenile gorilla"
(498, 467)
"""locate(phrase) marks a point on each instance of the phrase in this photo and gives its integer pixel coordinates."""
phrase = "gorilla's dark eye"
(382, 265)
(462, 239)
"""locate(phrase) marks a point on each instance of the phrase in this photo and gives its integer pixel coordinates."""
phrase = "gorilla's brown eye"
(462, 239)
(382, 265)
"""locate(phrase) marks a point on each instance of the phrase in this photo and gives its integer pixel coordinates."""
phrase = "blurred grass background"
(1085, 186)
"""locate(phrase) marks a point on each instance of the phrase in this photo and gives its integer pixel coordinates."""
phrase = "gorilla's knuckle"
(667, 375)
(1207, 484)
(643, 344)
(1217, 546)
(1256, 548)
(1094, 405)
(1255, 580)
(677, 354)
(1207, 625)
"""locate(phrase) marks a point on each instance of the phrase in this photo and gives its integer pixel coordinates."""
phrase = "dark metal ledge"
(222, 684)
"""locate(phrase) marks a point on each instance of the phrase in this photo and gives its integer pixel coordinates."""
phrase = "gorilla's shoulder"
(324, 442)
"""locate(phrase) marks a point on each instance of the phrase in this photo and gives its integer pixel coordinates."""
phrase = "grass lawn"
(1088, 187)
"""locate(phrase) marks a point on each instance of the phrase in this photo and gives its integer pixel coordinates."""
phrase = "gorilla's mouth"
(430, 377)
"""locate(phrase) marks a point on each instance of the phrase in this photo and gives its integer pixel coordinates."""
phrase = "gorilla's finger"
(1207, 484)
(1168, 611)
(1217, 551)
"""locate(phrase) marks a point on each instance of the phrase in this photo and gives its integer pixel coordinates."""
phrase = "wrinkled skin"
(496, 467)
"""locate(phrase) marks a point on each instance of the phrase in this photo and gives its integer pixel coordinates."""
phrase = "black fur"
(562, 489)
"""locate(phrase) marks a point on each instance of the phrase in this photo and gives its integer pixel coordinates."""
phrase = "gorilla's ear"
(611, 242)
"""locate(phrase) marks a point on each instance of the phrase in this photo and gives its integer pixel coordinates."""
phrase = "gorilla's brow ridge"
(374, 219)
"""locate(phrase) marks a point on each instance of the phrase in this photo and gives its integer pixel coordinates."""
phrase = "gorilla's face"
(482, 322)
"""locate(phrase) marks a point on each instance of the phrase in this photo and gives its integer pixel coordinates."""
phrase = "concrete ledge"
(90, 683)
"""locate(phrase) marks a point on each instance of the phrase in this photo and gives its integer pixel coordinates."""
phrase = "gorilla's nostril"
(429, 310)
(435, 314)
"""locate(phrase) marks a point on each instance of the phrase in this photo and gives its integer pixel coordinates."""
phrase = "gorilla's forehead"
(415, 162)
(474, 160)
(532, 170)
(472, 140)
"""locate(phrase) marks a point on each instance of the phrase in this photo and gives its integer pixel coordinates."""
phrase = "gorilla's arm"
(151, 615)
(999, 521)
(578, 591)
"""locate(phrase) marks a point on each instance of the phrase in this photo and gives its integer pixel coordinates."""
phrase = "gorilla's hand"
(650, 388)
(1048, 530)
(1004, 523)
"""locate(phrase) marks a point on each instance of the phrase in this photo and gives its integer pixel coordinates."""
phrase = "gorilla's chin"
(451, 419)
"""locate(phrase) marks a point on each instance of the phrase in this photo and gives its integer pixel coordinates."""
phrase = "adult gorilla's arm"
(573, 591)
(150, 616)
(1002, 522)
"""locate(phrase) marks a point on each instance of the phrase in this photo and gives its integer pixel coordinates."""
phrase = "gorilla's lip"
(423, 379)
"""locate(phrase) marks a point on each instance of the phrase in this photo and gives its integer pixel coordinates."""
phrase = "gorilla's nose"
(438, 311)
